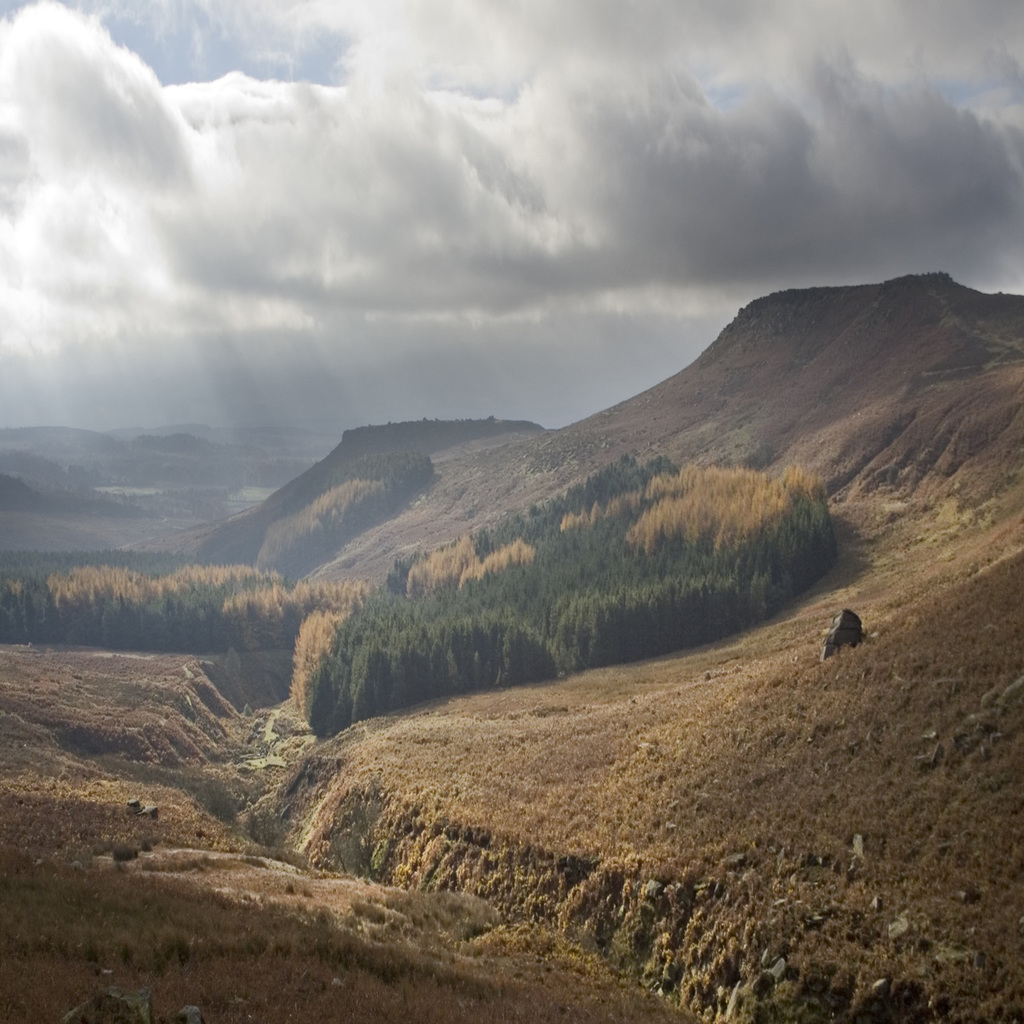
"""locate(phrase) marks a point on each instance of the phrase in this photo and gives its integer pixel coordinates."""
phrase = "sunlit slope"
(857, 816)
(906, 391)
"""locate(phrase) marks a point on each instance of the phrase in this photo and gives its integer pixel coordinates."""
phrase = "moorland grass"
(66, 934)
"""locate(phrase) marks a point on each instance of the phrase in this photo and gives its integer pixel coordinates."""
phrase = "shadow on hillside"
(853, 561)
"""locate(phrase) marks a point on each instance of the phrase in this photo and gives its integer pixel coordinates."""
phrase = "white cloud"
(478, 186)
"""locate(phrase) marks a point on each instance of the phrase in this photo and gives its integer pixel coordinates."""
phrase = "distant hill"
(365, 480)
(17, 496)
(428, 436)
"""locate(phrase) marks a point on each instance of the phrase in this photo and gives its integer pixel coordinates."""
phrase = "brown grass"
(68, 934)
(752, 753)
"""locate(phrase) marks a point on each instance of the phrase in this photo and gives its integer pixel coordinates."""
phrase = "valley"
(735, 832)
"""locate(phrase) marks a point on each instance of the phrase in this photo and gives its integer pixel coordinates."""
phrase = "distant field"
(239, 501)
(129, 492)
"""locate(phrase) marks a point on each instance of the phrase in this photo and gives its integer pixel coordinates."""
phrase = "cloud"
(451, 207)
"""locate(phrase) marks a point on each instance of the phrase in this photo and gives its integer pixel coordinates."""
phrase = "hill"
(304, 523)
(899, 395)
(37, 518)
(173, 479)
(746, 826)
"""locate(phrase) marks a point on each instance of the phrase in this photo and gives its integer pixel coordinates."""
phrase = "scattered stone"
(778, 968)
(114, 1007)
(932, 760)
(858, 846)
(969, 895)
(189, 1015)
(336, 983)
(653, 889)
(735, 861)
(1013, 692)
(948, 954)
(846, 630)
(814, 860)
(989, 698)
(135, 804)
(734, 1002)
(899, 927)
(766, 957)
(149, 811)
(880, 989)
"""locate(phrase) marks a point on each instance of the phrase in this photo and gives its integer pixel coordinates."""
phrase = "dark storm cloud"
(528, 209)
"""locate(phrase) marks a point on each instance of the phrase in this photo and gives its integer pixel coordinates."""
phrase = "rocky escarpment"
(721, 942)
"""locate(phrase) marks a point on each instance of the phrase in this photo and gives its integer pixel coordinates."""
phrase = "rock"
(653, 889)
(990, 697)
(735, 861)
(734, 1002)
(968, 895)
(114, 1007)
(135, 804)
(938, 754)
(880, 989)
(858, 846)
(778, 968)
(149, 811)
(1013, 692)
(877, 904)
(899, 927)
(189, 1015)
(845, 631)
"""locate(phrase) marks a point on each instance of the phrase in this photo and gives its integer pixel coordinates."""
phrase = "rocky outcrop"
(846, 631)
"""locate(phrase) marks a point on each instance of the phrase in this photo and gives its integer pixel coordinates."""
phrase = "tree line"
(637, 561)
(128, 601)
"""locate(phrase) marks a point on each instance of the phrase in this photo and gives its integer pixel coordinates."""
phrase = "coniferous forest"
(125, 600)
(638, 561)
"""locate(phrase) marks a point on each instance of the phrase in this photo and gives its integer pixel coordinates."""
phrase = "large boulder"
(114, 1006)
(846, 630)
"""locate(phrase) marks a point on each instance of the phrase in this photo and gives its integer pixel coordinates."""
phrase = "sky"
(240, 212)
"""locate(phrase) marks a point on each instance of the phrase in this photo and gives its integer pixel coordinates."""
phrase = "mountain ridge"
(908, 390)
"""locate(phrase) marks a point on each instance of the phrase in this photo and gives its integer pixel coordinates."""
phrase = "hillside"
(384, 454)
(907, 391)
